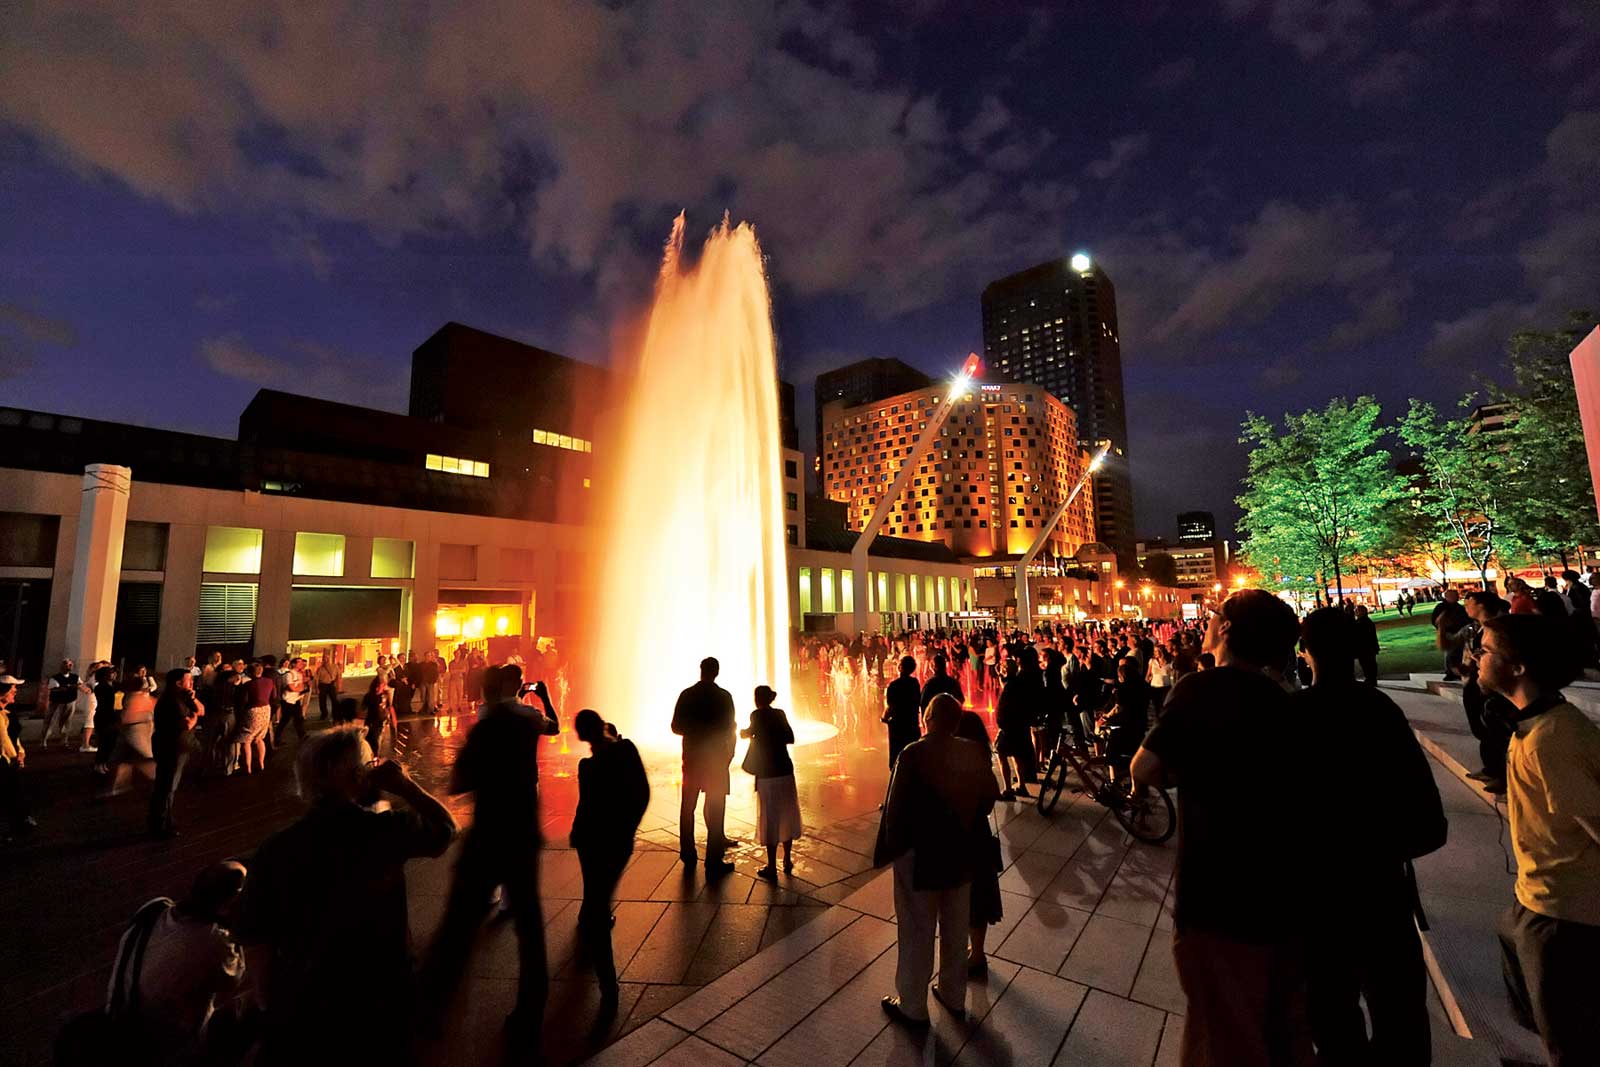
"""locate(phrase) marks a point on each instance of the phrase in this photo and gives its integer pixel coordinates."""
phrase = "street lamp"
(1024, 599)
(930, 433)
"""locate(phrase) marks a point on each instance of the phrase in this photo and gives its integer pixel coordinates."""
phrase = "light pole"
(1024, 599)
(858, 554)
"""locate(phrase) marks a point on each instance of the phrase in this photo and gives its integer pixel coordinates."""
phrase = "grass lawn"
(1406, 645)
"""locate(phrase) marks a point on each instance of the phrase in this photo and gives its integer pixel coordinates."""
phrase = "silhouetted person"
(1366, 645)
(1363, 935)
(1489, 715)
(499, 763)
(1022, 702)
(613, 793)
(777, 801)
(903, 709)
(1229, 740)
(172, 742)
(985, 907)
(704, 718)
(939, 799)
(328, 896)
(941, 681)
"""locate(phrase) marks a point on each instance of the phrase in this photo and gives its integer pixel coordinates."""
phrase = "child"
(778, 805)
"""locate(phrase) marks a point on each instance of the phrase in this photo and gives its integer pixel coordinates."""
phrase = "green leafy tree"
(1460, 486)
(1413, 541)
(1547, 496)
(1316, 488)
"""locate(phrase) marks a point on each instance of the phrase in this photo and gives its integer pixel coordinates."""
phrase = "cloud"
(1171, 75)
(1123, 150)
(37, 328)
(23, 331)
(1388, 79)
(309, 367)
(580, 125)
(1314, 28)
(1559, 261)
(1284, 252)
(1280, 374)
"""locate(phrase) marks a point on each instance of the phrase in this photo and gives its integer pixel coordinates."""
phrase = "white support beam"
(1024, 597)
(930, 432)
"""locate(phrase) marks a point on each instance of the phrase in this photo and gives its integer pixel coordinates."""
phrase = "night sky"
(1295, 198)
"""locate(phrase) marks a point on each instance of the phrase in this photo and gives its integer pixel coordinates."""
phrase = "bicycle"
(1146, 812)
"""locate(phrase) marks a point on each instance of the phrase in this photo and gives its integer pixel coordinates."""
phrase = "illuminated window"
(805, 590)
(232, 550)
(455, 465)
(827, 589)
(392, 557)
(319, 554)
(539, 437)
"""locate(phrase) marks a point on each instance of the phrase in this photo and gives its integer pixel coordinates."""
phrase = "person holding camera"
(499, 764)
(327, 895)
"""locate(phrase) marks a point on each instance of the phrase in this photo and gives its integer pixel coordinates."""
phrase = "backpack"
(113, 1034)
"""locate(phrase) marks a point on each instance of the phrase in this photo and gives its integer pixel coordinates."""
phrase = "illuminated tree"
(1460, 489)
(1547, 497)
(1316, 488)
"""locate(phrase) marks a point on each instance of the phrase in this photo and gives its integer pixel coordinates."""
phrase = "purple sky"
(1295, 198)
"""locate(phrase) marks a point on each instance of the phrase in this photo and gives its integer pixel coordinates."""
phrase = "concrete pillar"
(55, 634)
(97, 562)
(273, 594)
(425, 596)
(357, 559)
(180, 594)
(1586, 380)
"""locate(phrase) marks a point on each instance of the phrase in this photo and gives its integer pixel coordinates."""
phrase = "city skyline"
(285, 230)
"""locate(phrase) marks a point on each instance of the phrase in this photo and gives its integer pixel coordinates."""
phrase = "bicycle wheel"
(1147, 814)
(1055, 779)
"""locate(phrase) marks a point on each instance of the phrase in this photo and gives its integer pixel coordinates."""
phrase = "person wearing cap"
(777, 801)
(704, 718)
(13, 802)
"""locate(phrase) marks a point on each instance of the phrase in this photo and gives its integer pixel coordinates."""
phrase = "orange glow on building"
(1005, 459)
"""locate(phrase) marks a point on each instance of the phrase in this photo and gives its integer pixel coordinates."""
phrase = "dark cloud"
(308, 367)
(23, 332)
(37, 328)
(1123, 150)
(1173, 74)
(413, 124)
(1387, 79)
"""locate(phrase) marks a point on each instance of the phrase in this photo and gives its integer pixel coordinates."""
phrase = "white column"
(97, 564)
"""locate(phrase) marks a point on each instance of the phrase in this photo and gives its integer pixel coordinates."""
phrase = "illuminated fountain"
(691, 555)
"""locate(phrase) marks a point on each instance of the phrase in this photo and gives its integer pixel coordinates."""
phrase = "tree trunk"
(1338, 578)
(1564, 565)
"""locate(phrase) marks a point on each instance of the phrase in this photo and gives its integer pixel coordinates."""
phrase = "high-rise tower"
(1056, 325)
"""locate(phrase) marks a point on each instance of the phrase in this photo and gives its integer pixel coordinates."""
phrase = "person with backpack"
(173, 962)
(613, 792)
(1363, 943)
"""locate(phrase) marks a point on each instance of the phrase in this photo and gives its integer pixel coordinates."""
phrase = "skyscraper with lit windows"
(1055, 325)
(1003, 462)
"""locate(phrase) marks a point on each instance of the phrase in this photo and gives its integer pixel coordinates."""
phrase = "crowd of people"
(1295, 905)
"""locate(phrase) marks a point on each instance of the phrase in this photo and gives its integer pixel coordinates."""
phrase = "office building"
(1055, 325)
(1197, 527)
(1197, 563)
(1004, 460)
(864, 381)
(330, 526)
